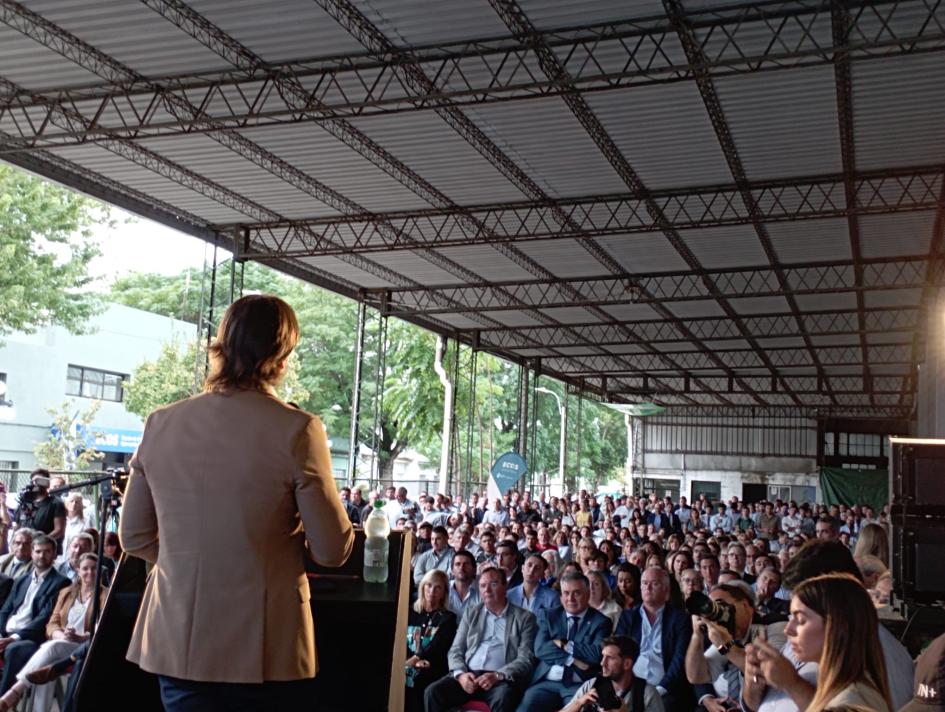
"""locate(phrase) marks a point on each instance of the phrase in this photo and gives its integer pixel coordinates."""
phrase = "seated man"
(439, 557)
(769, 607)
(19, 561)
(491, 657)
(662, 632)
(27, 610)
(634, 694)
(567, 646)
(80, 544)
(463, 590)
(507, 560)
(530, 594)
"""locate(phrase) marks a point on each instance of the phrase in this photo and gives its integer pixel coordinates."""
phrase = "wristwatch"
(725, 647)
(500, 675)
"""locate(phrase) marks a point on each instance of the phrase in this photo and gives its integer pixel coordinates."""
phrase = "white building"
(44, 369)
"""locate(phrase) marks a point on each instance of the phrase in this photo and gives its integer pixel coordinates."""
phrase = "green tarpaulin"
(842, 486)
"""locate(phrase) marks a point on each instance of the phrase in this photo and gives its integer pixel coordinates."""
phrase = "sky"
(136, 244)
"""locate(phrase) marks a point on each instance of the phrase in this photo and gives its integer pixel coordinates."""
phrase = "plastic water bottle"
(376, 545)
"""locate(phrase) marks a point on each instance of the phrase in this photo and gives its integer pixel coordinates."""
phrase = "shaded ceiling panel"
(413, 22)
(486, 262)
(902, 97)
(833, 301)
(780, 342)
(211, 160)
(547, 141)
(893, 298)
(625, 349)
(631, 312)
(811, 240)
(835, 340)
(320, 155)
(413, 266)
(760, 305)
(32, 66)
(459, 321)
(311, 33)
(569, 315)
(896, 234)
(511, 318)
(147, 181)
(729, 246)
(783, 123)
(704, 307)
(163, 49)
(563, 257)
(665, 134)
(431, 148)
(553, 14)
(362, 277)
(640, 253)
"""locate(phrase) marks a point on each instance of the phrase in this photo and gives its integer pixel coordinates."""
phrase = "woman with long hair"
(873, 541)
(602, 598)
(431, 627)
(69, 626)
(226, 489)
(627, 594)
(833, 623)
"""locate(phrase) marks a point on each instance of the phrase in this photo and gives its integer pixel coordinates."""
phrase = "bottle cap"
(378, 504)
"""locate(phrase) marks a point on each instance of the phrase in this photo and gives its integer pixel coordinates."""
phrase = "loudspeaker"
(917, 515)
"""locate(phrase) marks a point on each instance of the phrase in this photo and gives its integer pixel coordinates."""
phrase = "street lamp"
(564, 416)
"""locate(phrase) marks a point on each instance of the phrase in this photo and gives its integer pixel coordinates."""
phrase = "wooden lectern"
(360, 631)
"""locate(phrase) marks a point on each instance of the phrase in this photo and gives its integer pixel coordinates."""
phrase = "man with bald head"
(663, 633)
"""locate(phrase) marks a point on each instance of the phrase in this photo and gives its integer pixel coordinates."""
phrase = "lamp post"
(563, 412)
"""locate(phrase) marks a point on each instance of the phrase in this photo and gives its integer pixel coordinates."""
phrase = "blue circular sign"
(508, 469)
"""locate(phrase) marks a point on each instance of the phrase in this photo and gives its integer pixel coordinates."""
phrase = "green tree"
(70, 445)
(45, 250)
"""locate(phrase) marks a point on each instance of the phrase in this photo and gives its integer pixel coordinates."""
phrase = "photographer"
(715, 658)
(47, 513)
(616, 688)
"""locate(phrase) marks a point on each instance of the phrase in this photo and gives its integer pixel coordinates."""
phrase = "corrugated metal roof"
(665, 134)
(545, 139)
(105, 25)
(730, 246)
(811, 240)
(784, 125)
(896, 234)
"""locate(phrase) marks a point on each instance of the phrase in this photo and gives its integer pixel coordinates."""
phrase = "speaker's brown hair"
(257, 334)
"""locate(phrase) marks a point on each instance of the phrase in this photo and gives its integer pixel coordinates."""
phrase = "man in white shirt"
(439, 557)
(721, 520)
(27, 610)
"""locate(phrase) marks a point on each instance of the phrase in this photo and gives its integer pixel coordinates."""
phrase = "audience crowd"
(585, 603)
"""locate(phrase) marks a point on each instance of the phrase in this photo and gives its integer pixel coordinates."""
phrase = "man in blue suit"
(567, 646)
(27, 610)
(530, 594)
(663, 634)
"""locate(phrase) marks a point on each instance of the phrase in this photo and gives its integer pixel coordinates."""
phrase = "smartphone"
(606, 695)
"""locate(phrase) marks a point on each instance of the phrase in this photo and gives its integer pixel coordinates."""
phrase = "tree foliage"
(486, 422)
(45, 250)
(70, 445)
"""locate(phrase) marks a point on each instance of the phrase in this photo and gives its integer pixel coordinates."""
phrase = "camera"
(28, 493)
(698, 604)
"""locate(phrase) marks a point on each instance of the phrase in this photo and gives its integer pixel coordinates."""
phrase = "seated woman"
(430, 631)
(68, 628)
(833, 623)
(602, 598)
(627, 594)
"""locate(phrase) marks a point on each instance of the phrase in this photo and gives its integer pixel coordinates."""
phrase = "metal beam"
(597, 57)
(807, 198)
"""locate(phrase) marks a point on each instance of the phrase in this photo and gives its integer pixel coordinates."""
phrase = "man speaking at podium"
(225, 489)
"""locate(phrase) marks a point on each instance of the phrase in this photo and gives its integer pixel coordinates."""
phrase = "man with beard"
(618, 654)
(463, 590)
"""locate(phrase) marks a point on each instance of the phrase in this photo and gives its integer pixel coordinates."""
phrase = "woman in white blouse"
(602, 597)
(77, 521)
(68, 628)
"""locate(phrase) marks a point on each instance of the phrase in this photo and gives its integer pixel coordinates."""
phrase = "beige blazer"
(220, 487)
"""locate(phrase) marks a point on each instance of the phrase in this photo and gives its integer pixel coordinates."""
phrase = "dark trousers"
(191, 696)
(14, 658)
(446, 693)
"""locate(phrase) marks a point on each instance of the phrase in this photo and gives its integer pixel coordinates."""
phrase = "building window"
(93, 383)
(828, 444)
(860, 445)
(9, 465)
